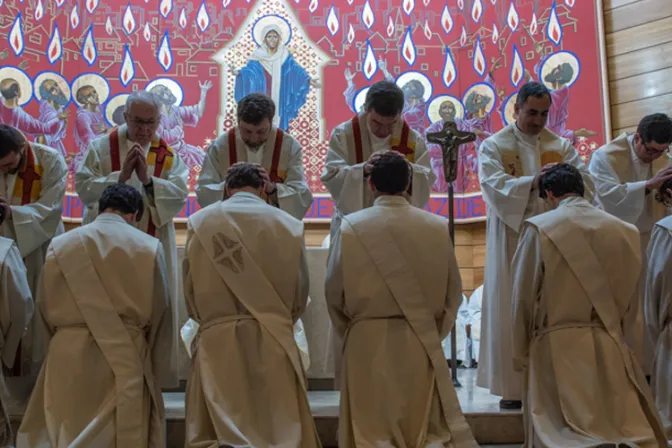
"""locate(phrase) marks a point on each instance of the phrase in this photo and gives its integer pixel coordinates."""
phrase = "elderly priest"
(104, 298)
(32, 187)
(575, 289)
(246, 283)
(134, 154)
(396, 386)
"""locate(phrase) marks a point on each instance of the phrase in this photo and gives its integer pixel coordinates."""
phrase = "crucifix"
(450, 139)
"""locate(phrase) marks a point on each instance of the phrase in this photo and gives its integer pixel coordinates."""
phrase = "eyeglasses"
(149, 123)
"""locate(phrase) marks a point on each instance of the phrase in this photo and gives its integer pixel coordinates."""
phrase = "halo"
(172, 85)
(111, 106)
(482, 89)
(359, 99)
(94, 80)
(424, 79)
(435, 105)
(509, 109)
(556, 59)
(22, 78)
(60, 80)
(271, 19)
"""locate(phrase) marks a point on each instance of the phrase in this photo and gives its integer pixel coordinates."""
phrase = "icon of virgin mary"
(273, 71)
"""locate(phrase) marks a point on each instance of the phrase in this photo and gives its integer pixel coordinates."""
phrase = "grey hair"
(142, 97)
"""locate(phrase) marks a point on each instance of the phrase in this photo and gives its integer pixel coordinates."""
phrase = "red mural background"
(474, 54)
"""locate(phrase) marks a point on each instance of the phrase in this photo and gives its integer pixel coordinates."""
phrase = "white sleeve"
(36, 223)
(294, 196)
(15, 292)
(658, 286)
(211, 183)
(506, 195)
(90, 182)
(345, 182)
(423, 176)
(626, 201)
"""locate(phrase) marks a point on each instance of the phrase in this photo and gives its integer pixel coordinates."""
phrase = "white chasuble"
(350, 146)
(573, 296)
(508, 163)
(394, 323)
(620, 182)
(246, 283)
(36, 195)
(658, 317)
(169, 173)
(16, 303)
(281, 157)
(104, 298)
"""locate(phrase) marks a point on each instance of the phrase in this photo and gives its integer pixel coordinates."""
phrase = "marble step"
(489, 424)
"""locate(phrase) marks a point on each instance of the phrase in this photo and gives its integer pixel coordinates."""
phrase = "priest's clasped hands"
(135, 161)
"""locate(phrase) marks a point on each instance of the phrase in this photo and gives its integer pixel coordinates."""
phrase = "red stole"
(401, 148)
(161, 152)
(275, 162)
(28, 177)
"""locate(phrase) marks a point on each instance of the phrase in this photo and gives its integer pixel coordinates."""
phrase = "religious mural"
(68, 67)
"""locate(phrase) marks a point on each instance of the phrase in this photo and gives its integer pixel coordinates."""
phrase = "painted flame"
(449, 70)
(332, 21)
(370, 66)
(55, 48)
(479, 58)
(408, 48)
(39, 11)
(127, 72)
(476, 11)
(129, 20)
(16, 36)
(368, 18)
(512, 19)
(428, 30)
(409, 6)
(89, 52)
(202, 17)
(554, 29)
(390, 27)
(165, 55)
(517, 68)
(74, 17)
(446, 20)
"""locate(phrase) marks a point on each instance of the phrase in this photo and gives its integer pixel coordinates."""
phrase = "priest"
(17, 305)
(245, 284)
(510, 165)
(104, 298)
(628, 171)
(658, 310)
(256, 140)
(575, 289)
(395, 320)
(32, 187)
(133, 154)
(378, 128)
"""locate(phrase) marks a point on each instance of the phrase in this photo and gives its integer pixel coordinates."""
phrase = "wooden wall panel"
(636, 13)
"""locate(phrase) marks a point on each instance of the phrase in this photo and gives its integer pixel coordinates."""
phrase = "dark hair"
(533, 89)
(384, 98)
(655, 128)
(663, 196)
(560, 180)
(254, 108)
(122, 198)
(11, 91)
(243, 175)
(118, 115)
(390, 173)
(11, 140)
(2, 215)
(81, 97)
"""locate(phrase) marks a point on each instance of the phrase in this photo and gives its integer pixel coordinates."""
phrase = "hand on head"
(660, 178)
(374, 157)
(545, 169)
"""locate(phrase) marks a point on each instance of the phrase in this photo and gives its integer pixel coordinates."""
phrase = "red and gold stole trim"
(160, 155)
(402, 143)
(29, 181)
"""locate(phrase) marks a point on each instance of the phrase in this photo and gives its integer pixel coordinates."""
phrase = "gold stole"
(357, 135)
(549, 144)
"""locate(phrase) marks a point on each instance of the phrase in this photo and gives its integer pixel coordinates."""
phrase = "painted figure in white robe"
(379, 128)
(174, 118)
(658, 311)
(12, 114)
(575, 291)
(245, 284)
(106, 304)
(628, 171)
(395, 320)
(17, 311)
(32, 187)
(256, 140)
(510, 164)
(89, 123)
(52, 107)
(134, 154)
